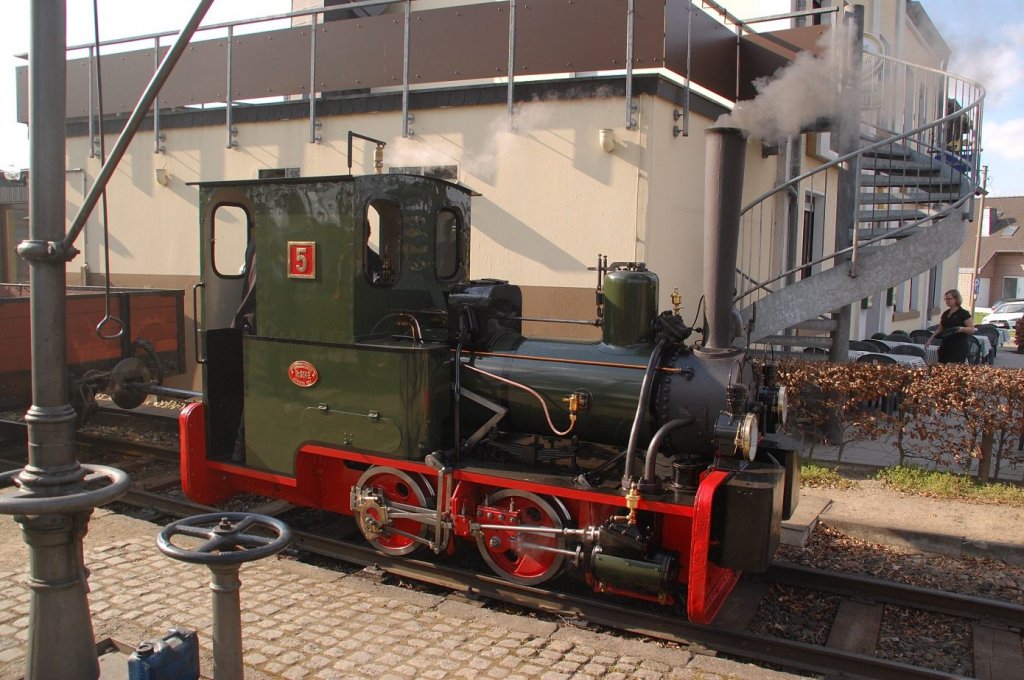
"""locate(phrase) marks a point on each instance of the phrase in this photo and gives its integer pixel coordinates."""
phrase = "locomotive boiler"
(354, 366)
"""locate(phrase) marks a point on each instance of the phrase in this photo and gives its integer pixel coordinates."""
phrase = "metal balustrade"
(918, 165)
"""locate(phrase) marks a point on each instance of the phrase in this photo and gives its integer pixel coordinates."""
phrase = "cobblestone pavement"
(303, 622)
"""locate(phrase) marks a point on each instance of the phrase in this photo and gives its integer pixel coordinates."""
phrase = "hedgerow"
(944, 414)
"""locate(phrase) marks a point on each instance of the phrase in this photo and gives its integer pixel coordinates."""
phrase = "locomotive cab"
(335, 320)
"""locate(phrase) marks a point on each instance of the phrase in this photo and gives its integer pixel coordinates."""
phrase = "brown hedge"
(943, 414)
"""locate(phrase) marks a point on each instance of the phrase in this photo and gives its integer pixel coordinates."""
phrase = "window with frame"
(382, 255)
(13, 230)
(229, 239)
(278, 173)
(1013, 286)
(447, 242)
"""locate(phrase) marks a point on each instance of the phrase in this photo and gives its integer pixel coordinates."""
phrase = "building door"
(13, 230)
(812, 233)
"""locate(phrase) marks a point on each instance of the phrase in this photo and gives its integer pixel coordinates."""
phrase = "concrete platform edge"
(955, 546)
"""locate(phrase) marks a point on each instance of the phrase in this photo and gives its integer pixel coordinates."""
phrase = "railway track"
(853, 632)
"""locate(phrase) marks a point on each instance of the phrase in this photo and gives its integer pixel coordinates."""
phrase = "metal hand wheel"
(227, 540)
(226, 546)
(23, 500)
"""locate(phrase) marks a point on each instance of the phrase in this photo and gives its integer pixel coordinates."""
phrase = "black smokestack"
(726, 153)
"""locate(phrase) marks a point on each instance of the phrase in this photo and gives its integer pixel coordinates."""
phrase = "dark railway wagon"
(153, 331)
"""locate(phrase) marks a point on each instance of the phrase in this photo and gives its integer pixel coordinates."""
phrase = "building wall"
(552, 197)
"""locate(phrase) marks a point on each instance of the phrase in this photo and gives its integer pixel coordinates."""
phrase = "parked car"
(1006, 314)
(995, 306)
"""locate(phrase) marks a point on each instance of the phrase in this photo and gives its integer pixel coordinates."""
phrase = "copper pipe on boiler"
(583, 362)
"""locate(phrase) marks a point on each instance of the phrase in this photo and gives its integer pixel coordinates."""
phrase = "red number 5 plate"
(301, 259)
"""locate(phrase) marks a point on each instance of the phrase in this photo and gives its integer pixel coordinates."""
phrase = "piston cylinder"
(654, 576)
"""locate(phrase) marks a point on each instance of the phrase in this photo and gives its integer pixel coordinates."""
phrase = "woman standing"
(954, 327)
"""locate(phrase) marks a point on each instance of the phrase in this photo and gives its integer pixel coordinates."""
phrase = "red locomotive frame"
(685, 530)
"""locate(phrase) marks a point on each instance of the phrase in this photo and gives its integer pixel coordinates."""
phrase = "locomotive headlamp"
(746, 437)
(776, 406)
(782, 405)
(737, 435)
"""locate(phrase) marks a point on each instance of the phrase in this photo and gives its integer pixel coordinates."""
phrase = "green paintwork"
(378, 391)
(630, 307)
(340, 305)
(615, 390)
(391, 398)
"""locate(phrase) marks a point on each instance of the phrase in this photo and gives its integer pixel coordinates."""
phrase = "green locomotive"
(353, 366)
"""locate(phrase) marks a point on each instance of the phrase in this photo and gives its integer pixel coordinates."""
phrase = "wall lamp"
(607, 139)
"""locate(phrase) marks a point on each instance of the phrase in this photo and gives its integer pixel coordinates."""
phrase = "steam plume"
(798, 94)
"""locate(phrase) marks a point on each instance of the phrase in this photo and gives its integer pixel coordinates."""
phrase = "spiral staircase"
(909, 186)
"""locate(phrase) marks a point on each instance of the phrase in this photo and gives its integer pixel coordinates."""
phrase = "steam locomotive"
(364, 373)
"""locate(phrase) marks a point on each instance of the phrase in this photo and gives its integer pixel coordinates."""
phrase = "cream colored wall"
(552, 198)
(152, 227)
(675, 181)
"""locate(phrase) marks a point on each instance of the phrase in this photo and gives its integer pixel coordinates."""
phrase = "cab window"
(229, 238)
(448, 227)
(383, 237)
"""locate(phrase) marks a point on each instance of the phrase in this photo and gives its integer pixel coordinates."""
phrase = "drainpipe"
(84, 270)
(977, 241)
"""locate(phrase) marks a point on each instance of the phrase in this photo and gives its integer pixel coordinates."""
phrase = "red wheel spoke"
(394, 486)
(519, 556)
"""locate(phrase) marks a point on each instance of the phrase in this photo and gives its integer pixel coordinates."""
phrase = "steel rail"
(114, 445)
(674, 629)
(698, 638)
(900, 594)
(15, 428)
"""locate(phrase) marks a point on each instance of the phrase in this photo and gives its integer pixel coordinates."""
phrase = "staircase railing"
(932, 132)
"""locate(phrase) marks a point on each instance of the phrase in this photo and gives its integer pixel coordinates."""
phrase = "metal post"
(314, 138)
(227, 545)
(92, 85)
(227, 622)
(977, 241)
(793, 203)
(630, 16)
(158, 137)
(229, 96)
(689, 67)
(406, 38)
(849, 175)
(60, 636)
(739, 40)
(511, 64)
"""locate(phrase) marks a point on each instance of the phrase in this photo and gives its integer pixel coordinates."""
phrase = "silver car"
(1005, 314)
